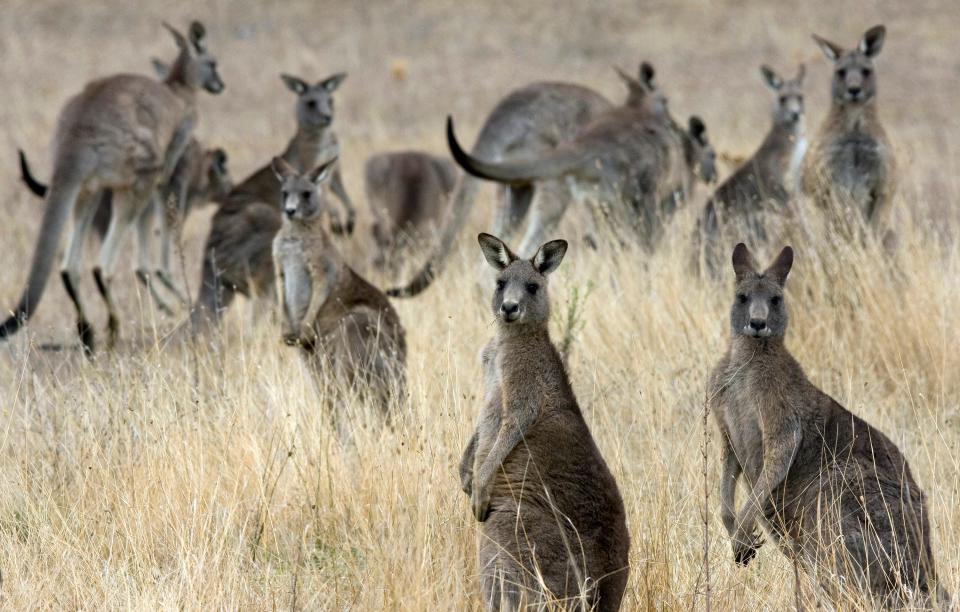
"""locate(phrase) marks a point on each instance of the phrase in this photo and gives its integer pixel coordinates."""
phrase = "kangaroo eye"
(866, 72)
(841, 73)
(285, 194)
(742, 298)
(500, 285)
(305, 194)
(532, 288)
(775, 300)
(783, 100)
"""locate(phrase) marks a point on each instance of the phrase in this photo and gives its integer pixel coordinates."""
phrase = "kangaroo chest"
(297, 284)
(746, 409)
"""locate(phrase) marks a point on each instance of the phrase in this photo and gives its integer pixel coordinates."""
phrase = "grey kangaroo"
(553, 522)
(851, 165)
(834, 492)
(125, 133)
(236, 257)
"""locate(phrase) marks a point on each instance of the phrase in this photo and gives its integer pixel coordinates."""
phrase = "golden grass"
(212, 476)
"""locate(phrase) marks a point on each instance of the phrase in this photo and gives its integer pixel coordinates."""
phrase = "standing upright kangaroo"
(764, 183)
(343, 323)
(125, 133)
(553, 521)
(236, 257)
(834, 492)
(851, 166)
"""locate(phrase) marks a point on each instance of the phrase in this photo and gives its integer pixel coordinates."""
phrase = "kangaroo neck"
(852, 116)
(778, 147)
(745, 350)
(305, 146)
(511, 336)
(177, 81)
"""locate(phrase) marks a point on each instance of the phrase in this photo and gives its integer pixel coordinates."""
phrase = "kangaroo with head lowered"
(125, 133)
(407, 192)
(236, 257)
(553, 522)
(851, 165)
(834, 492)
(764, 183)
(339, 319)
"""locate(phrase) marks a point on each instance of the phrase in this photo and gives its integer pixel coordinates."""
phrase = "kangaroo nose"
(509, 309)
(854, 91)
(290, 212)
(757, 324)
(311, 104)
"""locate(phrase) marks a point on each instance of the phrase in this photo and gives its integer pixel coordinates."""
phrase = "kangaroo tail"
(26, 175)
(60, 201)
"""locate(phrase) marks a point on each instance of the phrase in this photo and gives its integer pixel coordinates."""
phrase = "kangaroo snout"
(290, 211)
(510, 311)
(757, 324)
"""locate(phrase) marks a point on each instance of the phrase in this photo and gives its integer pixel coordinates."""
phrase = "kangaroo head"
(520, 298)
(195, 67)
(788, 110)
(303, 198)
(642, 90)
(854, 81)
(698, 151)
(758, 309)
(314, 102)
(216, 176)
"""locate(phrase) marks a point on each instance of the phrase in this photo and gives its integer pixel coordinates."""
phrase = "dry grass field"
(212, 476)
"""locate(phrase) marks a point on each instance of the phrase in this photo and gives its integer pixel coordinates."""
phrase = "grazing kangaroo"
(201, 176)
(834, 492)
(763, 183)
(407, 192)
(236, 257)
(125, 133)
(339, 319)
(553, 521)
(851, 165)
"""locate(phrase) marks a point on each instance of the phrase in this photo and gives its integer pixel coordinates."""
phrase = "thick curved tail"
(26, 175)
(60, 201)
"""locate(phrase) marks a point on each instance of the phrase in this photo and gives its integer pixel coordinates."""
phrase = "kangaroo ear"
(495, 251)
(647, 73)
(179, 38)
(771, 77)
(743, 264)
(872, 41)
(282, 169)
(780, 268)
(831, 50)
(295, 84)
(220, 159)
(323, 171)
(698, 130)
(197, 33)
(160, 67)
(626, 78)
(549, 256)
(801, 72)
(332, 82)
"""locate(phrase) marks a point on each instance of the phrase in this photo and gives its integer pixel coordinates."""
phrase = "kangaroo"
(125, 133)
(553, 521)
(201, 176)
(851, 162)
(407, 192)
(628, 155)
(236, 256)
(834, 492)
(762, 183)
(338, 319)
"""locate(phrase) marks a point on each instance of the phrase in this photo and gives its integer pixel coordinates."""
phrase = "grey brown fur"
(834, 492)
(237, 255)
(851, 165)
(343, 323)
(408, 193)
(548, 504)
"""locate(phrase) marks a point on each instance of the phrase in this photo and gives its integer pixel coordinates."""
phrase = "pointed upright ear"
(801, 72)
(771, 77)
(332, 82)
(197, 33)
(647, 73)
(698, 130)
(831, 50)
(626, 78)
(549, 256)
(160, 67)
(495, 251)
(743, 264)
(295, 84)
(323, 171)
(872, 41)
(220, 159)
(780, 267)
(282, 169)
(179, 38)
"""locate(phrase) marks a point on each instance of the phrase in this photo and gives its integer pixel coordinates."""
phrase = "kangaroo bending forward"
(237, 255)
(765, 183)
(553, 521)
(339, 319)
(407, 192)
(851, 165)
(125, 133)
(834, 492)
